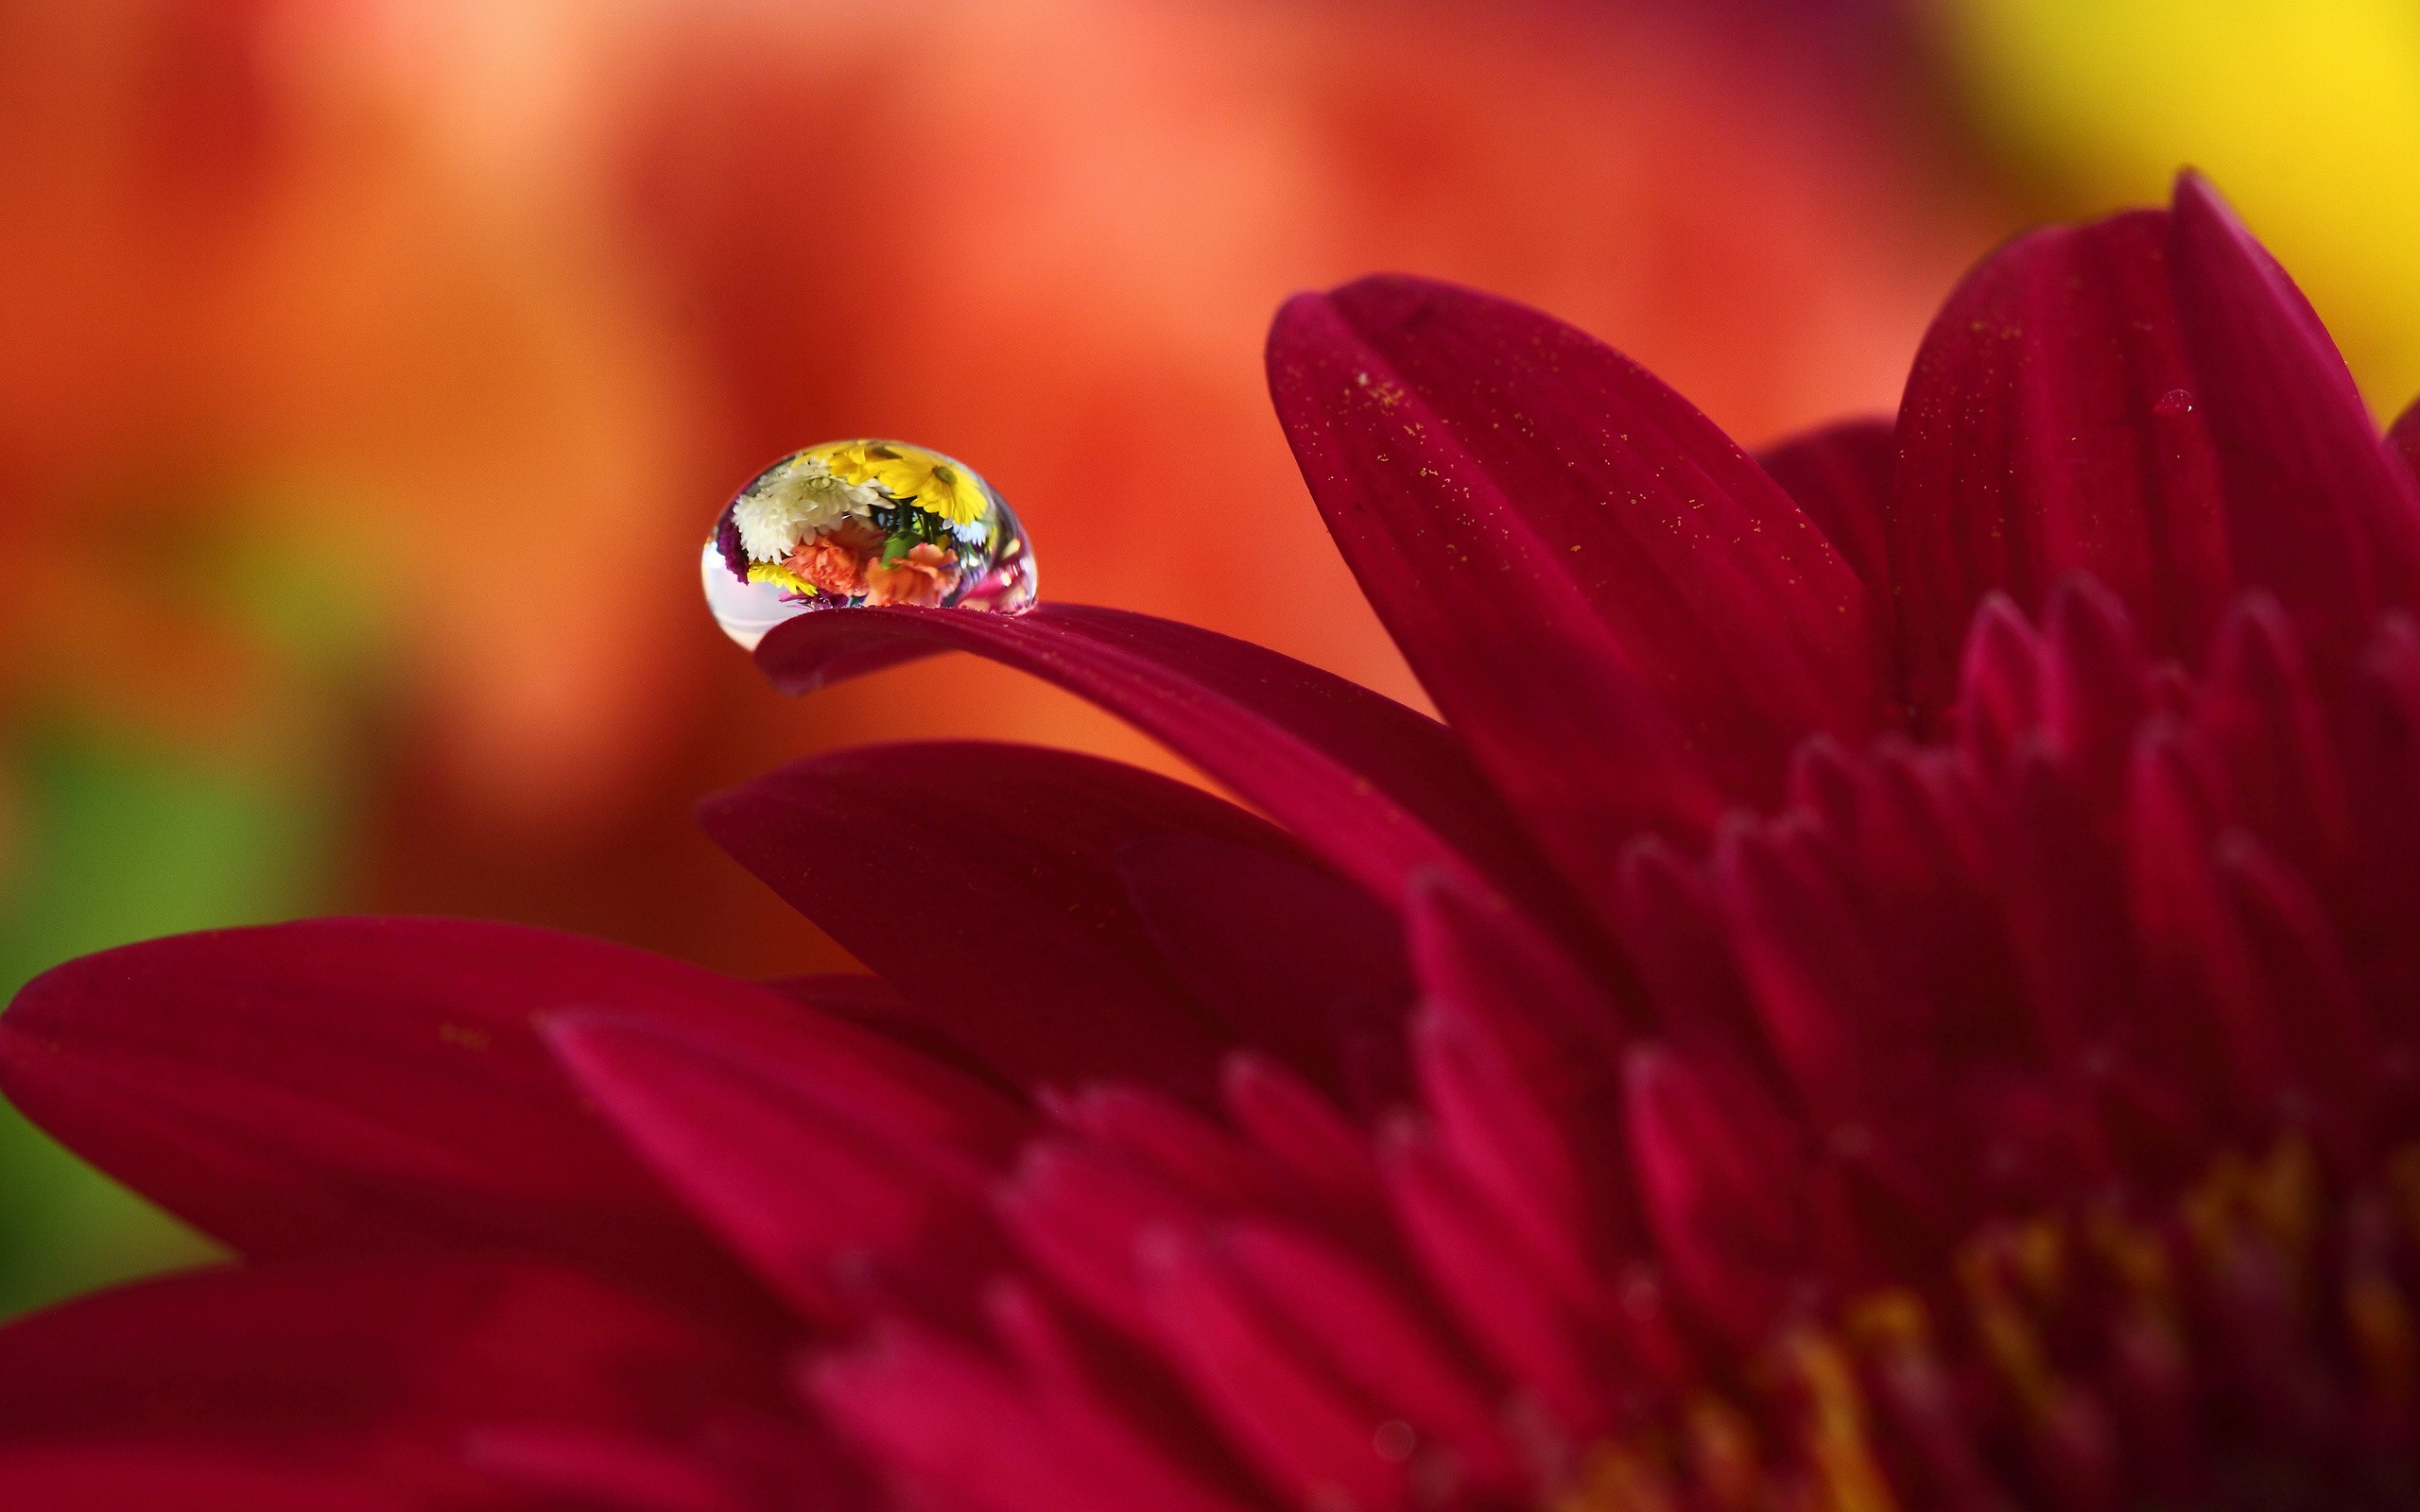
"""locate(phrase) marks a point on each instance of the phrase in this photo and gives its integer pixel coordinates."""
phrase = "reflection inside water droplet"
(858, 523)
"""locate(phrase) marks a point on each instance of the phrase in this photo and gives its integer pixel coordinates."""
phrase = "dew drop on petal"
(851, 524)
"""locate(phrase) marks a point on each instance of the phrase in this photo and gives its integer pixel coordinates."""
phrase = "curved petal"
(1379, 791)
(2050, 427)
(983, 881)
(363, 1384)
(1628, 621)
(1839, 477)
(2405, 437)
(822, 1193)
(2317, 510)
(1301, 964)
(346, 1084)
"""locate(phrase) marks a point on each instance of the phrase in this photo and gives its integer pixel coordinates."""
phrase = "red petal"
(1288, 1122)
(1504, 1304)
(814, 1168)
(358, 1084)
(350, 1375)
(1624, 616)
(1839, 477)
(1724, 1186)
(2317, 510)
(1363, 1330)
(2050, 428)
(1294, 959)
(1376, 789)
(2405, 437)
(871, 1003)
(1516, 1054)
(983, 881)
(966, 1433)
(1307, 1435)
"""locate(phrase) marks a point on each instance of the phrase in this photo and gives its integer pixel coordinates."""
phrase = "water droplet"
(2174, 403)
(856, 523)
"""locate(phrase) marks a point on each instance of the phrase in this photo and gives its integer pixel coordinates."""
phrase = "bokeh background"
(369, 369)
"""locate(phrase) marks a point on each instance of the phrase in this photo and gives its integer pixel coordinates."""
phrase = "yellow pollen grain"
(2380, 1325)
(1723, 1454)
(1615, 1479)
(1835, 1437)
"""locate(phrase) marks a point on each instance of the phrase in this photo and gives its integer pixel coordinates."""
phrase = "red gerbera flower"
(1896, 985)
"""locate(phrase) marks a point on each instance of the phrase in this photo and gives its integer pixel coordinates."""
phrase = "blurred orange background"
(369, 371)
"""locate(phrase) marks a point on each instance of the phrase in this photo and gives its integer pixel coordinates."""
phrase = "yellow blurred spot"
(1837, 1444)
(2307, 113)
(1620, 1480)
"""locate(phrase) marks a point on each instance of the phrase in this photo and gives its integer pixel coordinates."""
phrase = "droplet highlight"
(852, 525)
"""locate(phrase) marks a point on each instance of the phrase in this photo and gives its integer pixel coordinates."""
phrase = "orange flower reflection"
(836, 561)
(921, 579)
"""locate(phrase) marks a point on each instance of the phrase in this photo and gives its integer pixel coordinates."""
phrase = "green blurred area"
(118, 831)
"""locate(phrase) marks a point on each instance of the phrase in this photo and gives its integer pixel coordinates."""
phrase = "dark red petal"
(818, 1171)
(1362, 1328)
(1624, 616)
(2094, 683)
(1306, 1434)
(871, 1003)
(2317, 510)
(1516, 1051)
(357, 1374)
(2000, 684)
(121, 1478)
(362, 1084)
(1723, 1185)
(962, 1431)
(1502, 1300)
(1376, 789)
(1290, 957)
(1077, 1210)
(983, 881)
(1673, 936)
(1291, 1123)
(1840, 476)
(2051, 426)
(2405, 437)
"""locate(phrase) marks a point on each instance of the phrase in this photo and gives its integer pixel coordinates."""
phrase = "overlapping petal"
(996, 885)
(1627, 619)
(360, 1085)
(838, 1200)
(1839, 477)
(387, 1383)
(2317, 512)
(2051, 426)
(1378, 790)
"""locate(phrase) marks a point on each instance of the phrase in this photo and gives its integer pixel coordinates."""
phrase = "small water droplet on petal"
(2174, 403)
(861, 523)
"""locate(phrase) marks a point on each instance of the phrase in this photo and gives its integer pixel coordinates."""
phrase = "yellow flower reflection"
(934, 484)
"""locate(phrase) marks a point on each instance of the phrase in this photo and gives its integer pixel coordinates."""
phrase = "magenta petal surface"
(2317, 510)
(1297, 962)
(2405, 437)
(1379, 791)
(1839, 477)
(2052, 425)
(354, 1084)
(1626, 618)
(819, 1172)
(984, 882)
(360, 1384)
